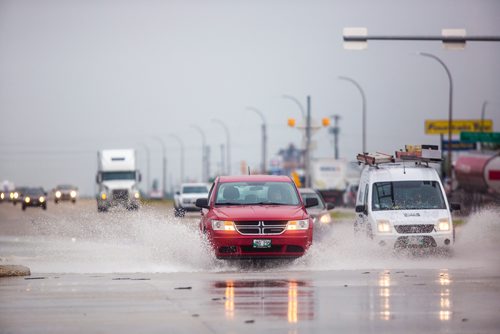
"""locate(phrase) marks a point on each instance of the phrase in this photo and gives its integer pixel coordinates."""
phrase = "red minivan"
(256, 216)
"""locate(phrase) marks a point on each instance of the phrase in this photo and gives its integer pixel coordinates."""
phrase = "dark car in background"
(65, 192)
(320, 213)
(36, 197)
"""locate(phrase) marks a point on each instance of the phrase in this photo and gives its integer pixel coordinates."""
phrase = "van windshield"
(110, 176)
(195, 189)
(407, 195)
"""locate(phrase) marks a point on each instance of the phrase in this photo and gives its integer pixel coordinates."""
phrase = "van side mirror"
(310, 202)
(140, 177)
(177, 192)
(360, 208)
(455, 207)
(98, 178)
(202, 203)
(330, 206)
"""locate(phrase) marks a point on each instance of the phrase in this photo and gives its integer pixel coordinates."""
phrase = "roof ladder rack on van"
(373, 159)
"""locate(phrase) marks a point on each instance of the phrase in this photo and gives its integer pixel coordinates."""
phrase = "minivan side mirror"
(455, 207)
(310, 202)
(330, 206)
(360, 208)
(202, 203)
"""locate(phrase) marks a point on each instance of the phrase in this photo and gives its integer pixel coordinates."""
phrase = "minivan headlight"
(443, 224)
(383, 226)
(297, 225)
(223, 225)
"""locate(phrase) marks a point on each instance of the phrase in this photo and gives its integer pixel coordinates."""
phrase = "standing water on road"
(152, 241)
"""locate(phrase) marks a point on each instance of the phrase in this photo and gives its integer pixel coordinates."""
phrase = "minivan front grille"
(269, 227)
(427, 228)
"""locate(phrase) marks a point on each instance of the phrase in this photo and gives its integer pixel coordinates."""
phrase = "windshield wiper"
(269, 203)
(229, 203)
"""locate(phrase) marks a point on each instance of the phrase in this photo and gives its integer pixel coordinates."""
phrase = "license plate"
(416, 241)
(262, 243)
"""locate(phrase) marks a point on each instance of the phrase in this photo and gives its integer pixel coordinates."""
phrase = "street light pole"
(297, 102)
(181, 144)
(363, 97)
(204, 169)
(148, 167)
(228, 143)
(335, 130)
(450, 114)
(264, 139)
(308, 145)
(164, 155)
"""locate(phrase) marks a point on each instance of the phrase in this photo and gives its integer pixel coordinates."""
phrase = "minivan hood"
(195, 195)
(260, 212)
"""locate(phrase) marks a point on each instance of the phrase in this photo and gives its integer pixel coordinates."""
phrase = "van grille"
(428, 228)
(271, 227)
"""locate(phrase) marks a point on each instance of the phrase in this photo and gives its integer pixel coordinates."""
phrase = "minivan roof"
(400, 172)
(255, 178)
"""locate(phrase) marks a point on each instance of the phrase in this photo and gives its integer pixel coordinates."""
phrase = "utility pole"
(164, 172)
(307, 156)
(222, 161)
(335, 130)
(264, 139)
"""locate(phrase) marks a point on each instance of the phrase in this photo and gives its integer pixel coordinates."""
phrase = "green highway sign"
(480, 137)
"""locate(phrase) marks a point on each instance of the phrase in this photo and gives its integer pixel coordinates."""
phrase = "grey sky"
(78, 76)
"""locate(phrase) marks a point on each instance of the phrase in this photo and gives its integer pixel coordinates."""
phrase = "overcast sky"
(79, 76)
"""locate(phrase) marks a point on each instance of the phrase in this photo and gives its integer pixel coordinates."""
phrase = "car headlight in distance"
(41, 199)
(2, 195)
(383, 226)
(297, 225)
(443, 224)
(58, 194)
(104, 196)
(11, 195)
(325, 219)
(16, 195)
(72, 194)
(223, 225)
(137, 195)
(27, 199)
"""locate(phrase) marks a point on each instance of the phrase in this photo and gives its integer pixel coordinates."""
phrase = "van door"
(361, 223)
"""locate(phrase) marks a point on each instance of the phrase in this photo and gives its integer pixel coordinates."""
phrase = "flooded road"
(148, 271)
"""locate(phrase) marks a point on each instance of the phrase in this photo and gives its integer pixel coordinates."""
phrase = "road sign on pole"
(438, 127)
(482, 137)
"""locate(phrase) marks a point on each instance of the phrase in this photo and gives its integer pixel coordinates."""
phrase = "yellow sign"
(440, 127)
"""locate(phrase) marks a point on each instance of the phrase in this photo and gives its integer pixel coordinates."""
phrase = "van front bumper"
(415, 240)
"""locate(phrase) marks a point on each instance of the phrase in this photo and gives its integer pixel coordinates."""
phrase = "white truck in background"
(331, 178)
(117, 180)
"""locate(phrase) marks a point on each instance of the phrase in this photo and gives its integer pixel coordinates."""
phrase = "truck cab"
(402, 204)
(117, 180)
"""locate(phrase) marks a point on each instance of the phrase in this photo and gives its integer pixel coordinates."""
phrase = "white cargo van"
(403, 204)
(117, 180)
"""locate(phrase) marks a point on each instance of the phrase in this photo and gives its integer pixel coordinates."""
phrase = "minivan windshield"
(248, 193)
(407, 195)
(110, 176)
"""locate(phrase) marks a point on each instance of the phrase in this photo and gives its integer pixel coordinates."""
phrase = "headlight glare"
(58, 194)
(104, 196)
(137, 195)
(297, 225)
(16, 195)
(72, 194)
(383, 226)
(325, 219)
(443, 224)
(223, 225)
(27, 199)
(41, 199)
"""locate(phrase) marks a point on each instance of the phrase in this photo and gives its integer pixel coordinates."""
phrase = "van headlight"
(297, 225)
(223, 225)
(137, 195)
(383, 226)
(443, 224)
(325, 219)
(58, 194)
(72, 194)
